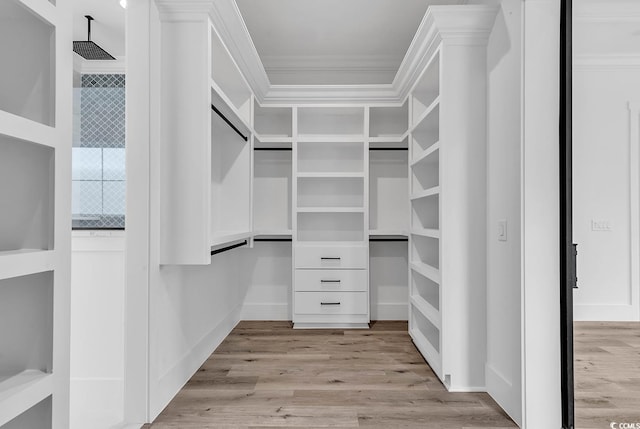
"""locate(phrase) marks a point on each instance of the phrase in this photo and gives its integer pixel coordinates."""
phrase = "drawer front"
(320, 303)
(331, 257)
(331, 280)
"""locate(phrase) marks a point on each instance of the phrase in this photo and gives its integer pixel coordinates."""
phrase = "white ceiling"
(333, 41)
(108, 27)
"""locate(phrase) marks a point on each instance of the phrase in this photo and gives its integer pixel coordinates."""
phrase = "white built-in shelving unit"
(447, 195)
(272, 172)
(330, 221)
(207, 156)
(35, 153)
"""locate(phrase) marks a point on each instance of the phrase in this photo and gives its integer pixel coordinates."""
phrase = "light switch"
(600, 225)
(502, 230)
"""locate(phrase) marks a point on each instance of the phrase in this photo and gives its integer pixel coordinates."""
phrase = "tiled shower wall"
(99, 152)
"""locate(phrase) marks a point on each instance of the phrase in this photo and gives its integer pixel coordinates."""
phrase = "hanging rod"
(272, 148)
(273, 239)
(389, 239)
(224, 249)
(229, 122)
(388, 148)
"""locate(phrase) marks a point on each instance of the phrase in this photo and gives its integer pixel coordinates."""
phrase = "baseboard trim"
(265, 311)
(165, 389)
(390, 311)
(501, 390)
(605, 313)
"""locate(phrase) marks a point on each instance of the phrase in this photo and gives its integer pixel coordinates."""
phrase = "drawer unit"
(335, 257)
(323, 303)
(331, 280)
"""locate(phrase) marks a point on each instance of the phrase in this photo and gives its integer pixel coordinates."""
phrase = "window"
(98, 173)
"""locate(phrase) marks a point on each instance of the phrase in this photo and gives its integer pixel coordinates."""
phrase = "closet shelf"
(426, 156)
(428, 271)
(426, 232)
(421, 122)
(330, 175)
(22, 391)
(330, 138)
(426, 193)
(226, 107)
(394, 138)
(22, 262)
(427, 310)
(25, 129)
(224, 237)
(330, 210)
(428, 351)
(388, 233)
(285, 233)
(270, 139)
(44, 9)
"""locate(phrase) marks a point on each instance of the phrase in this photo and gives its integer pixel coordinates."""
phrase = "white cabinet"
(35, 218)
(205, 144)
(330, 205)
(448, 197)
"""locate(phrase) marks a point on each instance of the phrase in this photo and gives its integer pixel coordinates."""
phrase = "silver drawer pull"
(329, 259)
(329, 281)
(330, 303)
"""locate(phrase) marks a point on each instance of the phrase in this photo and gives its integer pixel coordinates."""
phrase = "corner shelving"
(447, 179)
(35, 203)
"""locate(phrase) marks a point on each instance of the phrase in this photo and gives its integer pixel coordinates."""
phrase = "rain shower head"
(90, 50)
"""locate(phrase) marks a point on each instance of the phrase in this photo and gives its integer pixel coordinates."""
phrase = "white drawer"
(331, 280)
(320, 303)
(331, 257)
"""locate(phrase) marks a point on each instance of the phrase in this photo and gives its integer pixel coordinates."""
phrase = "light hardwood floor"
(266, 374)
(607, 373)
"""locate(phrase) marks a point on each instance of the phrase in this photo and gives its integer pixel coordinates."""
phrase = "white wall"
(97, 329)
(503, 368)
(604, 190)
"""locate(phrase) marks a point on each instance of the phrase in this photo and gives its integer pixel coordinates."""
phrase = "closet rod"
(388, 148)
(272, 148)
(272, 239)
(224, 249)
(224, 118)
(388, 239)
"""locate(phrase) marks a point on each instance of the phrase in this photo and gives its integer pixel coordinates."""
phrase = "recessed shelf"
(430, 118)
(22, 391)
(331, 121)
(427, 310)
(428, 156)
(427, 289)
(331, 226)
(27, 77)
(388, 233)
(426, 270)
(388, 187)
(430, 353)
(330, 157)
(22, 262)
(26, 218)
(330, 192)
(425, 213)
(426, 250)
(273, 121)
(388, 121)
(426, 327)
(426, 232)
(426, 90)
(426, 193)
(272, 188)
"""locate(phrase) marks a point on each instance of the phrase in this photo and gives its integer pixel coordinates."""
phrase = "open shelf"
(27, 76)
(427, 90)
(224, 105)
(226, 76)
(425, 335)
(230, 181)
(427, 290)
(272, 122)
(26, 217)
(388, 122)
(425, 213)
(15, 263)
(425, 250)
(388, 187)
(331, 226)
(331, 121)
(425, 177)
(426, 270)
(21, 396)
(430, 192)
(272, 184)
(430, 232)
(427, 310)
(330, 193)
(330, 157)
(26, 302)
(428, 156)
(272, 143)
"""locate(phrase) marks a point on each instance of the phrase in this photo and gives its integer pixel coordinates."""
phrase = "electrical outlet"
(601, 225)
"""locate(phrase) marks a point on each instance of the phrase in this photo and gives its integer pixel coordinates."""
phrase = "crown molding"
(462, 24)
(606, 62)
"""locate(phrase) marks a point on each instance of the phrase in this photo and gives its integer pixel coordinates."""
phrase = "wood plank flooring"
(607, 373)
(267, 375)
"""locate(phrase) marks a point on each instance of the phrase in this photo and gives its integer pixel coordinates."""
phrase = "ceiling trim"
(346, 63)
(462, 24)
